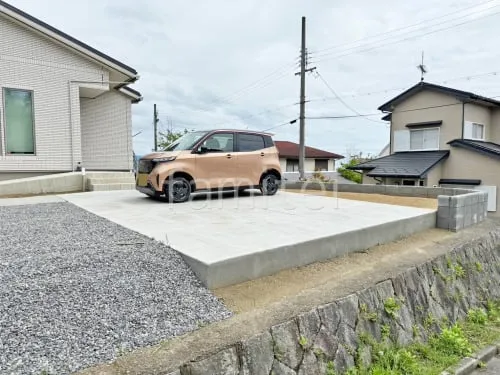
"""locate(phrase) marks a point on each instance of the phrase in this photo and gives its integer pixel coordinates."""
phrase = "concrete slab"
(232, 240)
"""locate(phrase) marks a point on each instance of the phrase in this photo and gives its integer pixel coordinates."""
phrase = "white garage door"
(492, 196)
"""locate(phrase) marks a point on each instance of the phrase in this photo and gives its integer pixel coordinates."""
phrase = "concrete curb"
(468, 364)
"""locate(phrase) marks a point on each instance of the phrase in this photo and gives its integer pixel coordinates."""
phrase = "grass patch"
(480, 328)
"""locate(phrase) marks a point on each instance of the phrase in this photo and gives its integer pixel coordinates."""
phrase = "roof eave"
(131, 93)
(40, 26)
(467, 146)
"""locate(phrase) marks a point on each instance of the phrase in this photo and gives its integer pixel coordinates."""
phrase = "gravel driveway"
(76, 290)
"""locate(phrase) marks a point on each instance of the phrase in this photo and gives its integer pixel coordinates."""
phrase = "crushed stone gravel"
(77, 290)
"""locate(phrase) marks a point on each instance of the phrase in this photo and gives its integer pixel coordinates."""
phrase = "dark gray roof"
(66, 36)
(459, 94)
(413, 164)
(487, 148)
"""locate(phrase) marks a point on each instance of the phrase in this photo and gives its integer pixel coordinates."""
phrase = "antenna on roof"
(422, 68)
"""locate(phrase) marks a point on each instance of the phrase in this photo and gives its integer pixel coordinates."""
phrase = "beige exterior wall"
(479, 114)
(494, 131)
(450, 113)
(368, 180)
(472, 165)
(435, 174)
(32, 62)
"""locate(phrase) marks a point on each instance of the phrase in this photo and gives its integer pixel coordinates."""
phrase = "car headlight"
(165, 159)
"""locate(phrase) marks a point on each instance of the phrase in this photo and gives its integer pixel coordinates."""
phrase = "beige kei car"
(214, 160)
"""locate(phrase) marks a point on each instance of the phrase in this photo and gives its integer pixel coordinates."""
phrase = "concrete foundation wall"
(329, 336)
(57, 183)
(271, 261)
(5, 176)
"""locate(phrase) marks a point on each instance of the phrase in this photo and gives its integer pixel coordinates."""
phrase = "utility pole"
(302, 116)
(155, 125)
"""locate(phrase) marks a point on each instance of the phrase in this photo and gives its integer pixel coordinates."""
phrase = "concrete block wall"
(461, 211)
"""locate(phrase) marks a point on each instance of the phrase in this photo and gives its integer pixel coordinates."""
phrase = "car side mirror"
(202, 150)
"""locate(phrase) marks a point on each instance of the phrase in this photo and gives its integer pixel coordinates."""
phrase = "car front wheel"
(269, 184)
(177, 189)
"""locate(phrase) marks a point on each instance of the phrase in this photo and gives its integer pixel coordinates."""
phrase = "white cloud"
(190, 54)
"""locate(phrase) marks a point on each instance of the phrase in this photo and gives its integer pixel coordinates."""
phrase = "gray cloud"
(192, 54)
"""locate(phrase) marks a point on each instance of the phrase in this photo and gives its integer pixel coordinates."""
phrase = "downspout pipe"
(463, 119)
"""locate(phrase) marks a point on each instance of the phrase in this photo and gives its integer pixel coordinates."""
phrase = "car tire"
(269, 184)
(177, 189)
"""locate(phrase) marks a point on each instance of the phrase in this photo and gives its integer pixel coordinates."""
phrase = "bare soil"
(267, 290)
(375, 198)
(261, 292)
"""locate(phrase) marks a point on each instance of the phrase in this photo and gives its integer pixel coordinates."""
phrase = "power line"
(281, 125)
(401, 28)
(342, 101)
(379, 114)
(468, 78)
(277, 109)
(279, 73)
(405, 39)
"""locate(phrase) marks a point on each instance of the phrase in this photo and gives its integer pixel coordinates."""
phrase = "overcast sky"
(223, 63)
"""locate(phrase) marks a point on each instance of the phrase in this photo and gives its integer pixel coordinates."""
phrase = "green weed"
(478, 316)
(479, 267)
(391, 307)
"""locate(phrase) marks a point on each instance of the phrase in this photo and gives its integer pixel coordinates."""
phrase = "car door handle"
(228, 156)
(262, 154)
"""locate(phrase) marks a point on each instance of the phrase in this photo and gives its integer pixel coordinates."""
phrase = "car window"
(250, 142)
(186, 142)
(220, 142)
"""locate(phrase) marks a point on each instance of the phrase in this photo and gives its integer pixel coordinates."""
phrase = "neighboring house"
(315, 159)
(440, 137)
(385, 151)
(63, 104)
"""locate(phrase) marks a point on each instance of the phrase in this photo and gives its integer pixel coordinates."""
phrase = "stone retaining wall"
(457, 208)
(405, 308)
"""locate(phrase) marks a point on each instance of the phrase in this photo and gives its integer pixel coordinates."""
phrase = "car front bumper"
(148, 190)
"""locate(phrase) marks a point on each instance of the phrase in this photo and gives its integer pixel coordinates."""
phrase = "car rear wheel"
(269, 184)
(177, 189)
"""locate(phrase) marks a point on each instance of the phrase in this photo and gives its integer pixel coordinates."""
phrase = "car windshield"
(186, 142)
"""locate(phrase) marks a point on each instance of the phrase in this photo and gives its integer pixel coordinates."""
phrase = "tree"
(350, 174)
(169, 137)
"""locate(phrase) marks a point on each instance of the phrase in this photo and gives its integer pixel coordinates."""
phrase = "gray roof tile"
(487, 148)
(403, 164)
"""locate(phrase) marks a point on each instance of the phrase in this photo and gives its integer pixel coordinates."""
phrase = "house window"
(424, 139)
(321, 164)
(292, 165)
(408, 182)
(477, 131)
(19, 129)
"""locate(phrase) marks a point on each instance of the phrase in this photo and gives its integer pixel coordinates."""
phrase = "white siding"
(106, 132)
(31, 61)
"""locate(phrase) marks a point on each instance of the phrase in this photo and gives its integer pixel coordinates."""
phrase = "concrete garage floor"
(232, 240)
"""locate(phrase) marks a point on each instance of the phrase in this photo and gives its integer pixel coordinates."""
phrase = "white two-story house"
(440, 137)
(63, 104)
